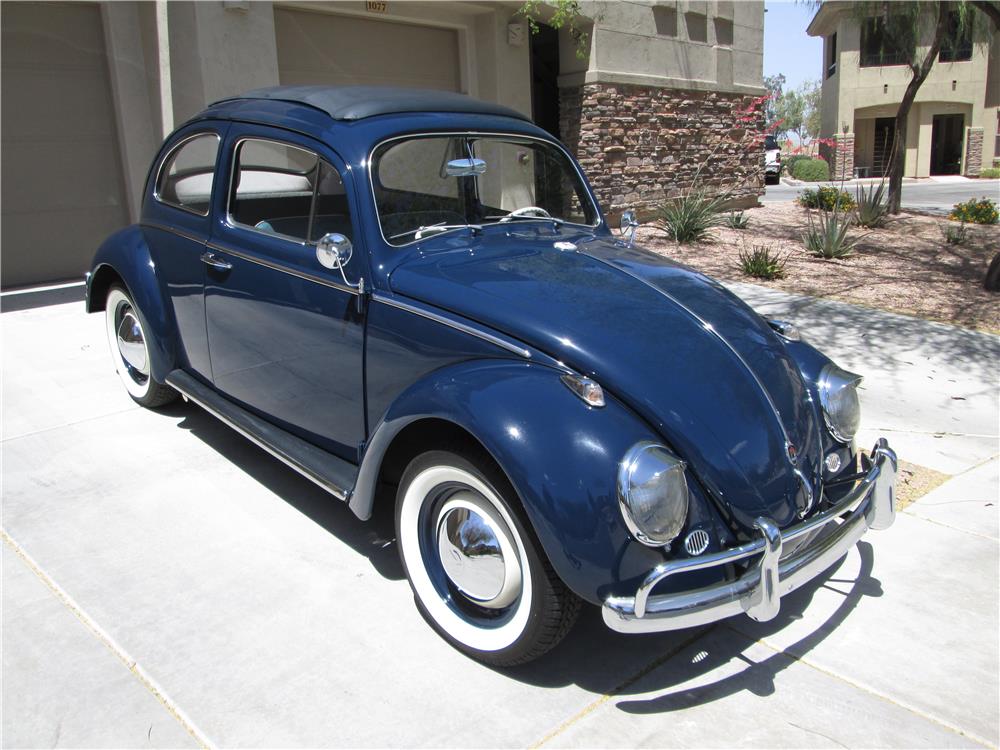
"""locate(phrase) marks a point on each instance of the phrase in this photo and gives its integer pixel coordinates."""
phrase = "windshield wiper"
(439, 227)
(510, 217)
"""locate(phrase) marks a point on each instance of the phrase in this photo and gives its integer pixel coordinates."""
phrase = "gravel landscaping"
(904, 267)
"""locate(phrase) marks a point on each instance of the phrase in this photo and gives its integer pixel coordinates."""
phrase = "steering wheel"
(528, 211)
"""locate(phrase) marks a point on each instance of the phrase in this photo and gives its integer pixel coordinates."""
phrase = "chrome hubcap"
(131, 343)
(477, 552)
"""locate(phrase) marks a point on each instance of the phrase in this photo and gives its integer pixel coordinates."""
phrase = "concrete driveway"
(168, 584)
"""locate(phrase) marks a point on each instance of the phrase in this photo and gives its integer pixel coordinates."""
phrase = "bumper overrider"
(870, 505)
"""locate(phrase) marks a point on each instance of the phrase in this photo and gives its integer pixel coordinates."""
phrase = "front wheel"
(130, 352)
(475, 568)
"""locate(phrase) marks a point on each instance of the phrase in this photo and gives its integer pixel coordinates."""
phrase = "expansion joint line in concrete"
(874, 692)
(591, 707)
(113, 646)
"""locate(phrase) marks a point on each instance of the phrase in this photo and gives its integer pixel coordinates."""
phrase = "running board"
(332, 473)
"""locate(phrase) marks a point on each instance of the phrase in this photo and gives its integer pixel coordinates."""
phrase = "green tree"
(797, 111)
(904, 26)
(812, 92)
(558, 13)
(774, 85)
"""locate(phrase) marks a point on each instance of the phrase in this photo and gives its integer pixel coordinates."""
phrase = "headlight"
(652, 493)
(838, 395)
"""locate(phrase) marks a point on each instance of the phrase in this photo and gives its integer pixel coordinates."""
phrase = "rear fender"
(125, 256)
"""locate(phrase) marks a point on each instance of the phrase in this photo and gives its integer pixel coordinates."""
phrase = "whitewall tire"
(476, 570)
(130, 350)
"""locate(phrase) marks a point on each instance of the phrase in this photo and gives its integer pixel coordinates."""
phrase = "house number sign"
(376, 7)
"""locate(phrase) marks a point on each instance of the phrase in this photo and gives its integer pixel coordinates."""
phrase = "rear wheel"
(130, 352)
(476, 570)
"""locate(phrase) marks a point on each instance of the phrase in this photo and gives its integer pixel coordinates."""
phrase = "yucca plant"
(827, 236)
(954, 235)
(688, 218)
(872, 207)
(762, 262)
(737, 220)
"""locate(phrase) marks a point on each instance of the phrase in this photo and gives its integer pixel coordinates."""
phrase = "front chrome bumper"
(870, 505)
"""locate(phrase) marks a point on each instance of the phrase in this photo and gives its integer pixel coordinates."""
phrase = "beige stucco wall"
(628, 45)
(855, 95)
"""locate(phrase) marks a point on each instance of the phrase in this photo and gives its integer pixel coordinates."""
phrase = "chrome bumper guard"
(870, 505)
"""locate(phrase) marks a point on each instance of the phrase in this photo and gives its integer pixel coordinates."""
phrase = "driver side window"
(287, 191)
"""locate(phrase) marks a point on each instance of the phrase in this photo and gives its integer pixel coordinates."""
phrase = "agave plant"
(827, 236)
(688, 218)
(762, 262)
(872, 209)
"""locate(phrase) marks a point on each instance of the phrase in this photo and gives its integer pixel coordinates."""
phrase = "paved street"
(923, 195)
(166, 583)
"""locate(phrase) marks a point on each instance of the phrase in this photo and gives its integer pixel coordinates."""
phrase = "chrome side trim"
(284, 269)
(452, 323)
(173, 230)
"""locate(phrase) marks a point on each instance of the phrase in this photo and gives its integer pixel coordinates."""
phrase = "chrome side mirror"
(628, 226)
(334, 251)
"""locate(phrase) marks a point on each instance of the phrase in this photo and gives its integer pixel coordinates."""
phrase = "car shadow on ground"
(375, 538)
(592, 656)
(676, 659)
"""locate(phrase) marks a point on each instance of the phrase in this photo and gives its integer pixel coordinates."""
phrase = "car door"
(177, 223)
(285, 333)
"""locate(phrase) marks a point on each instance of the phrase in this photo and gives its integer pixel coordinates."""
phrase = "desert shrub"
(811, 170)
(827, 237)
(737, 220)
(990, 173)
(689, 218)
(872, 208)
(762, 262)
(826, 198)
(791, 161)
(981, 211)
(954, 235)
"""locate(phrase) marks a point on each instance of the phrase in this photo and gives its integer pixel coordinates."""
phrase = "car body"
(772, 160)
(415, 290)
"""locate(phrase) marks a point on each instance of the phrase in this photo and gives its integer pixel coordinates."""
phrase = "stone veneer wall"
(973, 152)
(839, 155)
(641, 145)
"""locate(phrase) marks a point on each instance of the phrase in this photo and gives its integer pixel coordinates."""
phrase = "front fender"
(560, 455)
(125, 255)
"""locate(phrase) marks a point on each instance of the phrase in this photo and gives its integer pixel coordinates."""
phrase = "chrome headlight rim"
(832, 380)
(626, 480)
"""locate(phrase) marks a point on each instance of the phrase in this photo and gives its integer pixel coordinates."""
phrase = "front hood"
(698, 364)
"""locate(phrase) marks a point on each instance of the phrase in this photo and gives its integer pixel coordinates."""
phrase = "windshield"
(432, 184)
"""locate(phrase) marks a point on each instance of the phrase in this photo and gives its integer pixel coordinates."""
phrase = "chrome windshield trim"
(451, 323)
(441, 133)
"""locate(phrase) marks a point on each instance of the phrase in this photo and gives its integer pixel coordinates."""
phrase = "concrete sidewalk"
(166, 583)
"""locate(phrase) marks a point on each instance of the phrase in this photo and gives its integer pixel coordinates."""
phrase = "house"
(658, 91)
(954, 124)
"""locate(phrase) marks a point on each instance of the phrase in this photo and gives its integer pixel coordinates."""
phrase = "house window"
(957, 43)
(723, 32)
(666, 20)
(880, 45)
(831, 54)
(697, 25)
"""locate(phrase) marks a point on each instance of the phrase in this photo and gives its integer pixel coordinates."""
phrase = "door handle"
(210, 259)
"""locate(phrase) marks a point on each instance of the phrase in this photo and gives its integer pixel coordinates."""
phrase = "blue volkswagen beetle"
(417, 291)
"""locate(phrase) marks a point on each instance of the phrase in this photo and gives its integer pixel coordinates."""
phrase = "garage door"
(62, 181)
(321, 48)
